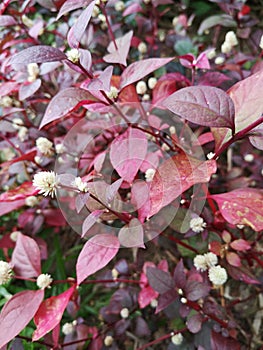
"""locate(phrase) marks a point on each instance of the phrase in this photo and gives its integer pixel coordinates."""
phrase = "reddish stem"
(178, 241)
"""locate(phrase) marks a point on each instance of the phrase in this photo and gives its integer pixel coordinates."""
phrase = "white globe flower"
(73, 55)
(231, 38)
(197, 224)
(217, 275)
(46, 182)
(141, 87)
(44, 280)
(81, 186)
(149, 174)
(5, 272)
(211, 259)
(44, 146)
(124, 312)
(200, 263)
(177, 339)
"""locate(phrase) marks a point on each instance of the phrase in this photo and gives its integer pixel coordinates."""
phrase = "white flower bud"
(145, 97)
(27, 21)
(6, 101)
(33, 71)
(124, 312)
(141, 87)
(108, 340)
(17, 123)
(197, 224)
(102, 18)
(226, 47)
(249, 157)
(115, 273)
(217, 275)
(81, 186)
(14, 235)
(22, 133)
(211, 259)
(142, 47)
(5, 272)
(44, 280)
(261, 42)
(149, 174)
(147, 1)
(219, 60)
(60, 148)
(210, 155)
(31, 201)
(200, 263)
(68, 328)
(73, 55)
(154, 303)
(211, 54)
(113, 93)
(177, 339)
(172, 130)
(119, 6)
(152, 82)
(231, 38)
(44, 146)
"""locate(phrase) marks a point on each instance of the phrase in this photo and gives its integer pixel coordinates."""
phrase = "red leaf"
(179, 275)
(20, 192)
(64, 102)
(146, 295)
(176, 175)
(27, 156)
(242, 274)
(26, 257)
(54, 217)
(70, 5)
(38, 54)
(242, 207)
(123, 46)
(77, 30)
(127, 152)
(240, 245)
(202, 105)
(50, 313)
(215, 247)
(96, 254)
(233, 259)
(219, 342)
(131, 235)
(18, 312)
(138, 70)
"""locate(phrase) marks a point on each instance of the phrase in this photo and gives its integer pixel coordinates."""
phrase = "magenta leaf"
(159, 280)
(50, 313)
(18, 312)
(240, 245)
(64, 102)
(176, 175)
(241, 207)
(70, 5)
(219, 342)
(96, 253)
(146, 295)
(202, 105)
(90, 220)
(120, 54)
(138, 70)
(131, 235)
(38, 54)
(233, 259)
(7, 207)
(20, 192)
(194, 323)
(77, 30)
(26, 257)
(242, 274)
(127, 153)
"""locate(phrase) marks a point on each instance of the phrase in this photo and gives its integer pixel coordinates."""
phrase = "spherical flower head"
(217, 275)
(219, 60)
(113, 93)
(197, 224)
(149, 175)
(73, 55)
(44, 280)
(231, 38)
(5, 272)
(226, 47)
(81, 186)
(210, 155)
(152, 82)
(60, 148)
(249, 158)
(44, 146)
(124, 312)
(108, 340)
(141, 87)
(142, 47)
(68, 327)
(211, 259)
(6, 101)
(119, 6)
(46, 182)
(200, 263)
(177, 339)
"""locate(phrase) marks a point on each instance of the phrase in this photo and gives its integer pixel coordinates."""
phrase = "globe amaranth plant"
(131, 168)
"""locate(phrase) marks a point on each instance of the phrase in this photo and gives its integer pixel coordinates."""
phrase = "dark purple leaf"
(64, 102)
(142, 328)
(77, 30)
(219, 342)
(38, 54)
(159, 280)
(195, 290)
(28, 90)
(90, 220)
(213, 79)
(70, 5)
(131, 235)
(138, 70)
(202, 105)
(166, 299)
(222, 20)
(194, 323)
(96, 253)
(257, 137)
(179, 275)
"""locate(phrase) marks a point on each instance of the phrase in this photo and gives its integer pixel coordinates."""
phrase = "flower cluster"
(197, 224)
(229, 43)
(46, 182)
(216, 274)
(44, 280)
(5, 272)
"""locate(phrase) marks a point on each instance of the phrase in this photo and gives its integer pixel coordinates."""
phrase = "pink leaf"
(138, 70)
(7, 207)
(18, 312)
(112, 190)
(176, 175)
(28, 90)
(127, 153)
(96, 253)
(233, 259)
(6, 20)
(26, 257)
(90, 220)
(64, 102)
(30, 155)
(131, 235)
(240, 245)
(146, 295)
(70, 5)
(120, 54)
(38, 54)
(77, 30)
(20, 192)
(50, 313)
(103, 81)
(203, 105)
(132, 8)
(241, 207)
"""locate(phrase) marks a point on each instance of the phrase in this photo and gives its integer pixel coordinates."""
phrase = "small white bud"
(44, 146)
(183, 300)
(60, 148)
(108, 340)
(141, 87)
(149, 174)
(22, 133)
(226, 47)
(115, 273)
(119, 6)
(17, 123)
(31, 201)
(73, 55)
(210, 155)
(124, 312)
(146, 97)
(165, 147)
(249, 157)
(152, 82)
(44, 280)
(95, 11)
(68, 328)
(177, 339)
(102, 18)
(142, 47)
(172, 130)
(81, 186)
(211, 54)
(113, 93)
(219, 60)
(154, 303)
(14, 235)
(33, 71)
(231, 38)
(5, 272)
